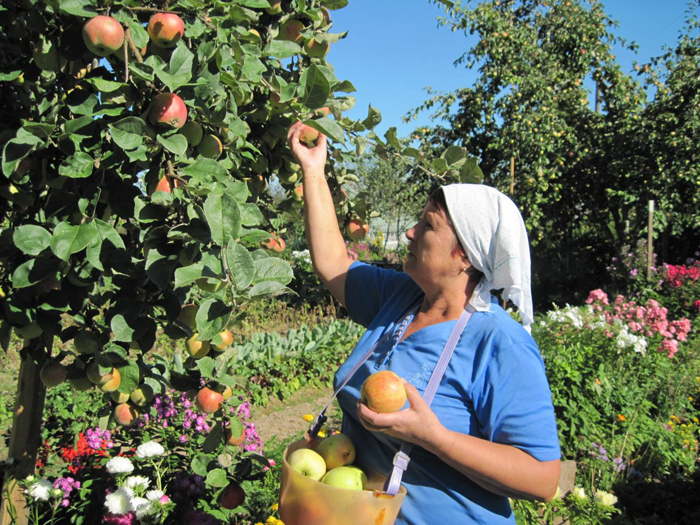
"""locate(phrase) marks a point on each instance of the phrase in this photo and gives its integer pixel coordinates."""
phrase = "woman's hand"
(310, 159)
(417, 424)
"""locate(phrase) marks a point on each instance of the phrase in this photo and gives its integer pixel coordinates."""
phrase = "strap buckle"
(320, 421)
(401, 460)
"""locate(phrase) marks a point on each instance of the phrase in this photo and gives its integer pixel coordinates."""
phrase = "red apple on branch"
(208, 400)
(357, 229)
(291, 30)
(232, 496)
(165, 29)
(275, 243)
(103, 35)
(168, 109)
(308, 136)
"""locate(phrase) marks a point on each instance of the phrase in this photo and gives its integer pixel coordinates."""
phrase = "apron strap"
(401, 459)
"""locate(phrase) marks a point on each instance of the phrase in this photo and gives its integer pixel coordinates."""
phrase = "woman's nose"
(410, 233)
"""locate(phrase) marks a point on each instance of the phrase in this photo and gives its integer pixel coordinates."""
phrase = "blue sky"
(394, 49)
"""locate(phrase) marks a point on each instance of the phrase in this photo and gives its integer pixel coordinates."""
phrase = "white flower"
(119, 501)
(557, 493)
(604, 498)
(154, 495)
(119, 465)
(579, 492)
(149, 450)
(137, 483)
(40, 490)
(142, 507)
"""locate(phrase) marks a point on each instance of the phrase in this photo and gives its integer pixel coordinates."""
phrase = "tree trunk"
(25, 438)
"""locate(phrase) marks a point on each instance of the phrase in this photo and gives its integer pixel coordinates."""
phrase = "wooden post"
(597, 97)
(25, 438)
(650, 239)
(512, 175)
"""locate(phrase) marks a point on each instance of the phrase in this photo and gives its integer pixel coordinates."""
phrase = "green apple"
(346, 478)
(337, 451)
(307, 463)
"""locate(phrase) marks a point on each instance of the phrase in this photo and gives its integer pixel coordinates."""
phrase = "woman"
(490, 432)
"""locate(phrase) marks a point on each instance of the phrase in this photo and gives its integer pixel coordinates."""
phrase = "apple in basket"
(349, 477)
(336, 450)
(308, 463)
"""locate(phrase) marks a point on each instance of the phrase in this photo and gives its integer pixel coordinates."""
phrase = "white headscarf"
(493, 235)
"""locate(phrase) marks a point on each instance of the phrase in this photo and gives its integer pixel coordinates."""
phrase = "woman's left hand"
(417, 424)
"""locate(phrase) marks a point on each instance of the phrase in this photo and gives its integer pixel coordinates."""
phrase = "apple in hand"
(103, 35)
(165, 29)
(307, 463)
(336, 450)
(383, 392)
(346, 478)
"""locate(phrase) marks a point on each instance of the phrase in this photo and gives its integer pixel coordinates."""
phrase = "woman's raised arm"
(326, 244)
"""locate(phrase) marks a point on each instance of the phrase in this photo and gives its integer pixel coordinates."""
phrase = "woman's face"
(433, 251)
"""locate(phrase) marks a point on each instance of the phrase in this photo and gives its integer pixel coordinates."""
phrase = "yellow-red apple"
(103, 35)
(315, 49)
(298, 193)
(308, 136)
(274, 243)
(383, 392)
(291, 30)
(232, 496)
(169, 109)
(165, 29)
(336, 450)
(125, 414)
(197, 349)
(223, 340)
(357, 229)
(208, 400)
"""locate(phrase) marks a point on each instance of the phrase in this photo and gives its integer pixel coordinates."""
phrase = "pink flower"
(597, 296)
(670, 346)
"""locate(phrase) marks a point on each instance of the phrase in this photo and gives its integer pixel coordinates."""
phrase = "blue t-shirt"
(494, 388)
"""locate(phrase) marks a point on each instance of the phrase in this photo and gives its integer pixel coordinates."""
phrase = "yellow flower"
(579, 492)
(321, 433)
(308, 417)
(275, 507)
(604, 498)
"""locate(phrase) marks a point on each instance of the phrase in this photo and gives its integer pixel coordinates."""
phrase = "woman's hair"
(440, 202)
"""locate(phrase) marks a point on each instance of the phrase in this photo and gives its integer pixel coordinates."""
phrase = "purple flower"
(183, 438)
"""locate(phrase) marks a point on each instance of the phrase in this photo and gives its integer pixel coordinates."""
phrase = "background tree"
(551, 96)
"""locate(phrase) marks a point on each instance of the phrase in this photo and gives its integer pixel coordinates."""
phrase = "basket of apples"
(322, 486)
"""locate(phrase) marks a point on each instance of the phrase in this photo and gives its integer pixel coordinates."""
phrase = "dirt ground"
(281, 419)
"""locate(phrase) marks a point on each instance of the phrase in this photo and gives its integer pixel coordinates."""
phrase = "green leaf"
(253, 69)
(251, 214)
(130, 377)
(212, 318)
(282, 49)
(128, 133)
(186, 275)
(78, 7)
(439, 165)
(106, 86)
(174, 143)
(315, 86)
(455, 156)
(9, 77)
(273, 269)
(124, 327)
(256, 4)
(374, 117)
(217, 478)
(391, 138)
(33, 271)
(240, 264)
(138, 33)
(142, 71)
(206, 367)
(334, 4)
(471, 172)
(205, 170)
(82, 104)
(17, 149)
(77, 166)
(345, 86)
(328, 127)
(31, 239)
(268, 289)
(199, 464)
(412, 152)
(223, 215)
(67, 240)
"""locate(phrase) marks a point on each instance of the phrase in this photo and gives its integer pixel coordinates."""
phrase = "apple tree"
(137, 143)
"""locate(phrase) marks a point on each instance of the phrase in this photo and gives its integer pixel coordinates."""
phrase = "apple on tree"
(291, 30)
(357, 229)
(168, 109)
(298, 193)
(125, 414)
(103, 35)
(383, 392)
(165, 29)
(232, 496)
(208, 400)
(53, 374)
(222, 340)
(274, 243)
(316, 49)
(307, 463)
(120, 397)
(197, 349)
